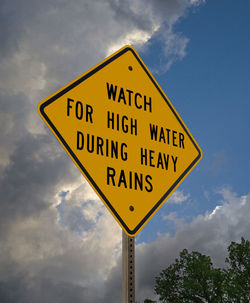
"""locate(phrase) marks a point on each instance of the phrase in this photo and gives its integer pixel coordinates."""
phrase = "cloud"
(178, 197)
(37, 250)
(197, 2)
(46, 45)
(209, 234)
(58, 243)
(136, 37)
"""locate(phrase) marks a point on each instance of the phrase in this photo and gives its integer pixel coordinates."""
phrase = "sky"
(58, 242)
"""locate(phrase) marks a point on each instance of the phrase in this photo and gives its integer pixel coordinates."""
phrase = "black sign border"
(85, 172)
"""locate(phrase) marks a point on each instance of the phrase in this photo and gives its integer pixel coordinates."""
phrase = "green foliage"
(238, 273)
(193, 279)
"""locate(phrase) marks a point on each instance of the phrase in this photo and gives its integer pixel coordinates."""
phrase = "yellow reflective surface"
(124, 135)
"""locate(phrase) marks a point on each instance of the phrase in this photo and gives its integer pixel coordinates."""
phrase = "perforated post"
(128, 269)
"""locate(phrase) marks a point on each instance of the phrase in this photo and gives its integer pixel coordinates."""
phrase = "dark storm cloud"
(54, 38)
(25, 289)
(45, 44)
(60, 34)
(50, 36)
(28, 181)
(13, 118)
(31, 165)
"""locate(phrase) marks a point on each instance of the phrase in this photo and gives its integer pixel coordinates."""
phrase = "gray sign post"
(128, 269)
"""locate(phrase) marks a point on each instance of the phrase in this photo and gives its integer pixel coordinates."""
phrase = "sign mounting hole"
(130, 68)
(131, 208)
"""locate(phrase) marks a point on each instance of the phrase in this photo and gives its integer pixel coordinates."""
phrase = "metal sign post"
(128, 269)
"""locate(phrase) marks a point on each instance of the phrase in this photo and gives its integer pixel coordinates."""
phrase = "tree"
(238, 273)
(193, 279)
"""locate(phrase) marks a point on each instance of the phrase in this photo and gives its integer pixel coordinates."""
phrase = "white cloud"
(213, 213)
(210, 234)
(197, 2)
(178, 197)
(136, 38)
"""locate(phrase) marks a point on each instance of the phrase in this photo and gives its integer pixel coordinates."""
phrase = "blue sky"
(210, 89)
(58, 242)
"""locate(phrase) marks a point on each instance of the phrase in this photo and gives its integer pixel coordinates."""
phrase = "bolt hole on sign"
(124, 135)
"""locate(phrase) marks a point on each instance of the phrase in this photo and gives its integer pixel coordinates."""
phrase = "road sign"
(125, 136)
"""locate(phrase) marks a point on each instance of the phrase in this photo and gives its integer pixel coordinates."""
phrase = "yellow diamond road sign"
(124, 135)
